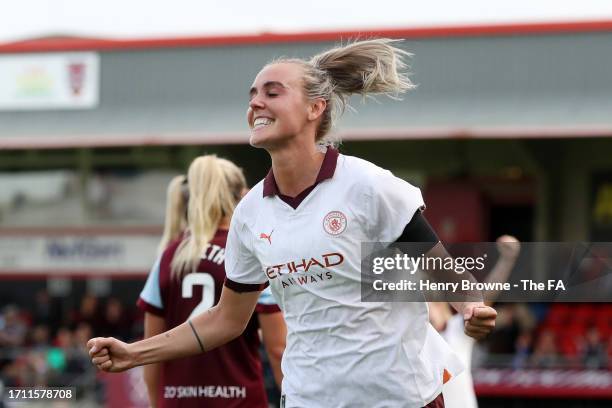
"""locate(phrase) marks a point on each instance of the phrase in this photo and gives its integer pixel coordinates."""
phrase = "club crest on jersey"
(334, 223)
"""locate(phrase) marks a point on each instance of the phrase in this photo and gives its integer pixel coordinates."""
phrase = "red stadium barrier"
(549, 383)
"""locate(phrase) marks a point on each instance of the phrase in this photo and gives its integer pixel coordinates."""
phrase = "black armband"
(419, 230)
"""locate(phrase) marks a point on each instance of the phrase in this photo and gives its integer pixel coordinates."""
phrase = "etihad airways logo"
(304, 265)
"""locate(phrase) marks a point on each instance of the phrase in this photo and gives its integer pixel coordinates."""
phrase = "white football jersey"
(341, 352)
(459, 393)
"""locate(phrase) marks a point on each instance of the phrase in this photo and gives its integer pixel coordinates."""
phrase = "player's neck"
(296, 167)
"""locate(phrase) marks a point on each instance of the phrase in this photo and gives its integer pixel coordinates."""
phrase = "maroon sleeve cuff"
(149, 308)
(245, 287)
(267, 309)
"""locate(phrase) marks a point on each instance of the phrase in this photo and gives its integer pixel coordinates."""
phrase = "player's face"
(278, 109)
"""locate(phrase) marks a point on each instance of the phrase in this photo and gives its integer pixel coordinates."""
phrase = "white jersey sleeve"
(241, 264)
(393, 203)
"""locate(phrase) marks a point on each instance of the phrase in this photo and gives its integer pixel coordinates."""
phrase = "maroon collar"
(328, 167)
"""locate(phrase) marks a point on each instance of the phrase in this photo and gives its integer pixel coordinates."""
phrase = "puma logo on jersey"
(266, 236)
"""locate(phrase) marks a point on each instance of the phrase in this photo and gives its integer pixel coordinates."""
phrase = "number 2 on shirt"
(208, 291)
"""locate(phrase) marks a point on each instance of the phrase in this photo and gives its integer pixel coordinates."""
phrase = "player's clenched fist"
(508, 246)
(479, 320)
(110, 354)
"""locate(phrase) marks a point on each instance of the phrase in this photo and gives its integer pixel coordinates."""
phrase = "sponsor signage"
(92, 255)
(49, 81)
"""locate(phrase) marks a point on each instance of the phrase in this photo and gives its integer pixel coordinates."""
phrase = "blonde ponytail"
(215, 186)
(366, 68)
(176, 210)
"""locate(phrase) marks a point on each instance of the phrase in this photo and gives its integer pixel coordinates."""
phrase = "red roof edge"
(82, 44)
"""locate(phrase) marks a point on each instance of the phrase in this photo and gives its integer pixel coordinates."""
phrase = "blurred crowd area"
(552, 335)
(41, 345)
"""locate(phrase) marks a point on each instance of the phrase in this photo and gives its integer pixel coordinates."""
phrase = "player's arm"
(419, 230)
(206, 331)
(274, 333)
(508, 248)
(479, 318)
(153, 325)
(392, 199)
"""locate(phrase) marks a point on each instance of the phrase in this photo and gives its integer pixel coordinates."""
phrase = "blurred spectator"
(512, 319)
(41, 313)
(39, 337)
(63, 338)
(25, 370)
(72, 367)
(524, 317)
(81, 373)
(501, 341)
(117, 322)
(59, 358)
(522, 350)
(45, 311)
(57, 355)
(594, 351)
(99, 196)
(89, 313)
(82, 333)
(35, 356)
(545, 353)
(12, 328)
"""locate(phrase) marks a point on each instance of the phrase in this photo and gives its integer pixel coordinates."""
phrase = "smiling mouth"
(261, 123)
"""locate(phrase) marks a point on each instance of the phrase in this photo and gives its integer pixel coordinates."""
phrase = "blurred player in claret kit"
(300, 231)
(187, 279)
(175, 222)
